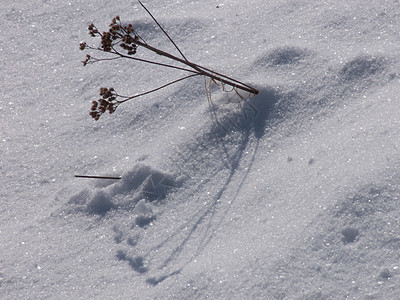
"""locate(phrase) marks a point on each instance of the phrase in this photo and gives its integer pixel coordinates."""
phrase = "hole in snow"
(349, 235)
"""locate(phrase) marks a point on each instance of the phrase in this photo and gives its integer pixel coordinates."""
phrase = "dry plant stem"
(162, 29)
(121, 55)
(197, 69)
(156, 89)
(98, 177)
(203, 71)
(129, 40)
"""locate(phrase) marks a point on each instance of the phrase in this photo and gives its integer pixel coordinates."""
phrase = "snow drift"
(289, 194)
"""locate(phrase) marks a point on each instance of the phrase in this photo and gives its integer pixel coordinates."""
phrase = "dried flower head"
(87, 60)
(106, 42)
(107, 102)
(123, 36)
(129, 29)
(93, 31)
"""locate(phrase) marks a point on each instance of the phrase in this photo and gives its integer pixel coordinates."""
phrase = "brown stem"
(156, 89)
(202, 70)
(154, 62)
(158, 24)
(97, 177)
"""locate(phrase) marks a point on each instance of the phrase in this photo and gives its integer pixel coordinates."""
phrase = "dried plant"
(122, 42)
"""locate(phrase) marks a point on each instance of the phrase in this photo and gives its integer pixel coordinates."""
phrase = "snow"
(291, 194)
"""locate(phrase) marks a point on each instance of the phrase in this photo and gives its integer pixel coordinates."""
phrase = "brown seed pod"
(103, 90)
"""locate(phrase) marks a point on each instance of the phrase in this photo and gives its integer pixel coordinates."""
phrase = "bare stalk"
(156, 89)
(98, 177)
(158, 24)
(202, 70)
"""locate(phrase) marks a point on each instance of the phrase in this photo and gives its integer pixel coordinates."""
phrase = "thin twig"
(121, 55)
(158, 24)
(98, 177)
(156, 63)
(156, 89)
(204, 71)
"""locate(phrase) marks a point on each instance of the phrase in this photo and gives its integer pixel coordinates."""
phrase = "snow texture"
(291, 194)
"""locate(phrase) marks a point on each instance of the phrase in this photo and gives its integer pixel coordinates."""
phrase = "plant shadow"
(245, 127)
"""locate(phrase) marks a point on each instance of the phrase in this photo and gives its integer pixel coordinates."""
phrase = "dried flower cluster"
(107, 102)
(87, 60)
(93, 30)
(124, 36)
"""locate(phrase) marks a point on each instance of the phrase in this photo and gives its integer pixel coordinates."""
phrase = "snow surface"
(292, 194)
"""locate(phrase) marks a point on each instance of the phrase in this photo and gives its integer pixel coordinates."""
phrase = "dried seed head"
(87, 60)
(106, 41)
(129, 28)
(95, 115)
(93, 30)
(108, 102)
(110, 108)
(82, 46)
(103, 90)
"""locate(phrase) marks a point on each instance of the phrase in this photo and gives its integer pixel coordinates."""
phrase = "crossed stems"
(128, 39)
(197, 69)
